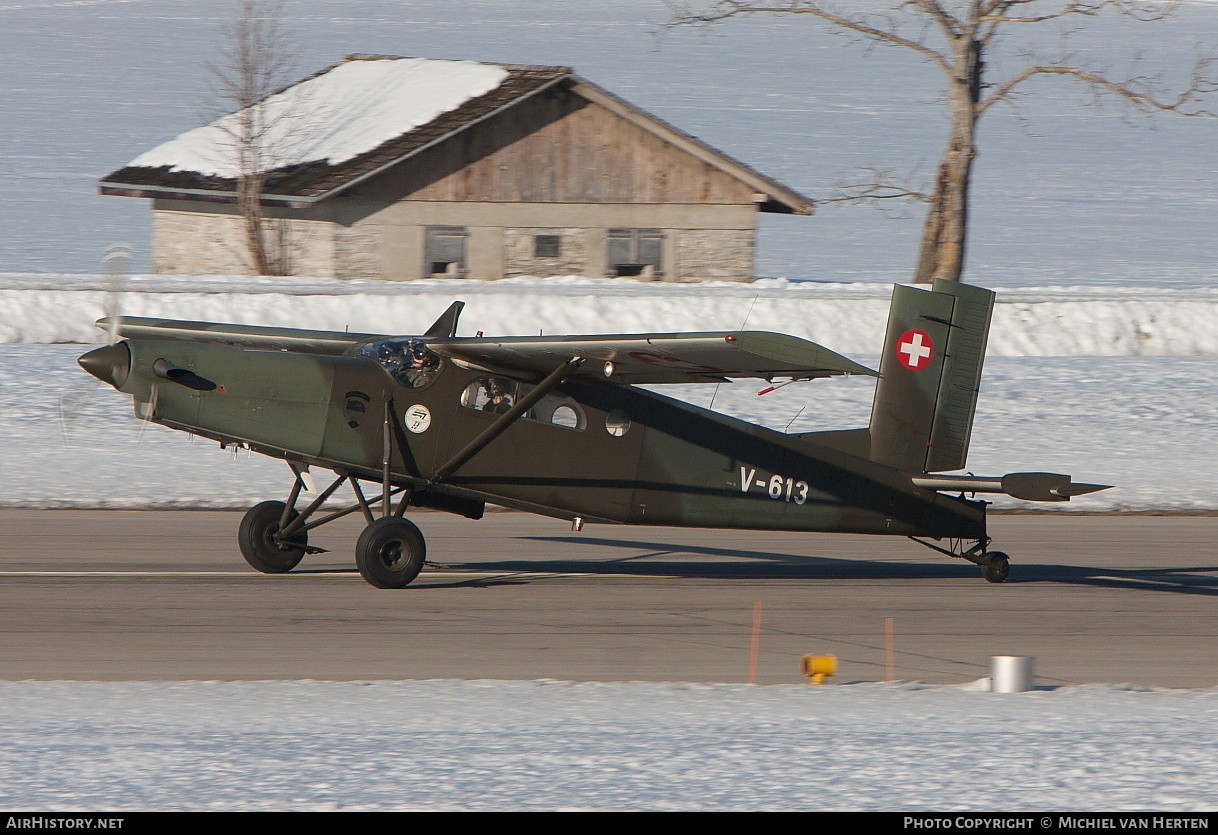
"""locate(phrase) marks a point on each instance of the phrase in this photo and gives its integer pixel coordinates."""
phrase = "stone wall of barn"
(520, 252)
(187, 241)
(701, 254)
(697, 242)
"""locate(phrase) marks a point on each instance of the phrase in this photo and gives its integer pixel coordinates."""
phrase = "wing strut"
(506, 419)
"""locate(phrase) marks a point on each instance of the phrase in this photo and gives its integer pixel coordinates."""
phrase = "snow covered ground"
(484, 745)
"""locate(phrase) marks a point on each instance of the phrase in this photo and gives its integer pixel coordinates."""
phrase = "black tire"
(997, 567)
(256, 538)
(390, 553)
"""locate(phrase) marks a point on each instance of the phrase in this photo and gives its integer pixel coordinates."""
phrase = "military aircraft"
(558, 425)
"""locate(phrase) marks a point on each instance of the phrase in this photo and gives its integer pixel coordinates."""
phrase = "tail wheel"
(260, 544)
(996, 568)
(390, 553)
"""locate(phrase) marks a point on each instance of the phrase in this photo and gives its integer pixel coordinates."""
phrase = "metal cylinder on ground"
(1010, 673)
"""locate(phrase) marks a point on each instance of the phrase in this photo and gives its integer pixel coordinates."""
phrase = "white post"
(1010, 673)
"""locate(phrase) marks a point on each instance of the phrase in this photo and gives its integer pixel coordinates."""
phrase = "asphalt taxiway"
(138, 595)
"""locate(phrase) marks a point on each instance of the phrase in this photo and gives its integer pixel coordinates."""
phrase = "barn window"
(546, 246)
(636, 252)
(444, 250)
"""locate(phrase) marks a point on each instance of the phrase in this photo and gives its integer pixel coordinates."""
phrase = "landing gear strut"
(995, 565)
(274, 535)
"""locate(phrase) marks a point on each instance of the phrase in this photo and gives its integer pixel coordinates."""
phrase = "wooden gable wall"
(555, 147)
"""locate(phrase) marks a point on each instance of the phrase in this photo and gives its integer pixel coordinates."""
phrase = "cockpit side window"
(409, 361)
(490, 394)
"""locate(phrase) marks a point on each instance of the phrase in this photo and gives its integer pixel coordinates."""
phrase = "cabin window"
(490, 394)
(409, 361)
(498, 394)
(636, 252)
(547, 246)
(617, 423)
(444, 251)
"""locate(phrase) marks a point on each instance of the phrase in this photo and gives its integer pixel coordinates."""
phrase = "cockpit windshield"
(409, 361)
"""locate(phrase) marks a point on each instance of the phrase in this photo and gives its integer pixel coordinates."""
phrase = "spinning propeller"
(103, 363)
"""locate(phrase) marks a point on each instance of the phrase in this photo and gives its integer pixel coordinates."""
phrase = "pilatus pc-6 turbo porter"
(557, 425)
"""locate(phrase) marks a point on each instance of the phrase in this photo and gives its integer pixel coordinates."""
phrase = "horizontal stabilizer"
(1077, 488)
(1031, 487)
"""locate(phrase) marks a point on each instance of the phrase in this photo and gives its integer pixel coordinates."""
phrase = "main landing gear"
(274, 535)
(995, 565)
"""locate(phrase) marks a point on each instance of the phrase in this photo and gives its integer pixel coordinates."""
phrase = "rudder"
(930, 372)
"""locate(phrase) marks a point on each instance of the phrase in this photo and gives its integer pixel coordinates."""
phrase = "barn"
(403, 168)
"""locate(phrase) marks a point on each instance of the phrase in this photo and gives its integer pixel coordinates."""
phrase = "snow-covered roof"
(355, 118)
(350, 109)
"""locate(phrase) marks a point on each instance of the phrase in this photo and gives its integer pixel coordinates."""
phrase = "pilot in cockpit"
(408, 361)
(421, 366)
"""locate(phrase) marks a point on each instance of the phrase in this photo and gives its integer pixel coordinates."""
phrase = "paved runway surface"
(119, 595)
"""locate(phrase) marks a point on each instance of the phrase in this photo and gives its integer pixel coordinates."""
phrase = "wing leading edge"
(654, 357)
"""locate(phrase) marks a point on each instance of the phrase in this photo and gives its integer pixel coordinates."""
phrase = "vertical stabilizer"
(930, 372)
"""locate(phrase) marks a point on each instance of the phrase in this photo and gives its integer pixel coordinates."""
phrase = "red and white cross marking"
(915, 348)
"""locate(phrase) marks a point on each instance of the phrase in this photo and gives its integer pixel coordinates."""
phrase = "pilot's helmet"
(420, 356)
(389, 351)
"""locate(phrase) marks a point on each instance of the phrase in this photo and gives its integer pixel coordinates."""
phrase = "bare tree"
(956, 36)
(253, 64)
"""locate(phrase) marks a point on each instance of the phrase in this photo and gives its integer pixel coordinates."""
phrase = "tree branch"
(1138, 91)
(684, 15)
(1143, 10)
(882, 185)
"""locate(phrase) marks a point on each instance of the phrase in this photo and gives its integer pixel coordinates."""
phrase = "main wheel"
(997, 567)
(259, 545)
(390, 552)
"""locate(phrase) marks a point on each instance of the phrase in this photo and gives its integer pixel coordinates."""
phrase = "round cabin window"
(565, 416)
(617, 423)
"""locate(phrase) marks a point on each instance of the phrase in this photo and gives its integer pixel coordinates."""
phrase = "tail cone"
(110, 364)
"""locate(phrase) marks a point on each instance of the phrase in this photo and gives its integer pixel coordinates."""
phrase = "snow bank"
(545, 745)
(1065, 321)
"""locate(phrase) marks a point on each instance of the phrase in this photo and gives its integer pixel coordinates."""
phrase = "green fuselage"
(625, 454)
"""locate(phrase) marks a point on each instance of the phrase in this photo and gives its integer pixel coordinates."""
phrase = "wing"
(653, 357)
(247, 336)
(635, 358)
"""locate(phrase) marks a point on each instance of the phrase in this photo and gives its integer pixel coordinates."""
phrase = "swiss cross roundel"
(915, 349)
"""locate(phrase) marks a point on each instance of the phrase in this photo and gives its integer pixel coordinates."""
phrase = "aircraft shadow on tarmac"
(695, 561)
